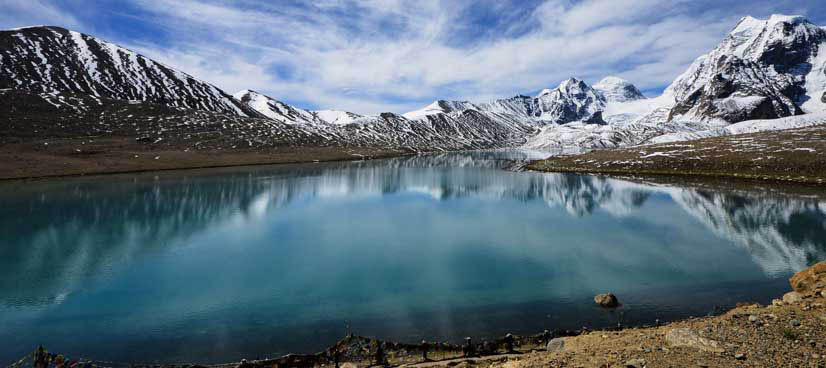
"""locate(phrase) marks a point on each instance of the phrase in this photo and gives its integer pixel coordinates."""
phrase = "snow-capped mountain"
(467, 129)
(275, 109)
(615, 89)
(572, 101)
(452, 128)
(289, 114)
(763, 69)
(56, 60)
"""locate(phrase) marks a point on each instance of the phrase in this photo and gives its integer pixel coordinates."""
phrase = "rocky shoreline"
(791, 332)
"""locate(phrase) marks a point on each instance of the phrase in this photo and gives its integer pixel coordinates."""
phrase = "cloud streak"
(392, 55)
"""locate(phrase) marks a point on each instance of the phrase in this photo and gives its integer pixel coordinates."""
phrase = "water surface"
(216, 265)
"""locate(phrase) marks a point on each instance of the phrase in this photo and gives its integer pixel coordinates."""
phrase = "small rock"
(794, 323)
(702, 365)
(556, 345)
(685, 337)
(792, 297)
(753, 318)
(740, 356)
(823, 293)
(606, 300)
(777, 302)
(815, 356)
(635, 363)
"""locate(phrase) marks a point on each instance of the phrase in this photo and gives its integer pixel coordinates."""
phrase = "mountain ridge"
(55, 59)
(763, 69)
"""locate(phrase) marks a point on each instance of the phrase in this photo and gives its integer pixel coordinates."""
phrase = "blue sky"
(391, 55)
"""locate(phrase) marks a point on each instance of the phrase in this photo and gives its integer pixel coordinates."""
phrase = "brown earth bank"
(785, 156)
(87, 156)
(789, 333)
(61, 135)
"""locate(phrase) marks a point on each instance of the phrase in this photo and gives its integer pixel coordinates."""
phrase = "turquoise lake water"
(218, 265)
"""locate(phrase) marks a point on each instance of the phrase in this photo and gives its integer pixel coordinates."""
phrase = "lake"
(223, 264)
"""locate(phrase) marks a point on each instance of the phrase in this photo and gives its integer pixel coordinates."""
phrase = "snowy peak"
(440, 107)
(572, 101)
(764, 40)
(615, 89)
(573, 86)
(54, 60)
(286, 113)
(337, 117)
(763, 69)
(274, 109)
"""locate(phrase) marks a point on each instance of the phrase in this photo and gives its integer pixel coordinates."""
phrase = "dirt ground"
(793, 155)
(73, 156)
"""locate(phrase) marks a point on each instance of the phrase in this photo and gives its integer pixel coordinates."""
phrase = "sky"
(371, 56)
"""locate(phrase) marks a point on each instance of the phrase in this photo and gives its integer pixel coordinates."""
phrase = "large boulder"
(606, 300)
(811, 280)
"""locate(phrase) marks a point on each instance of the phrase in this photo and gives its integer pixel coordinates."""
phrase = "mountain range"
(763, 69)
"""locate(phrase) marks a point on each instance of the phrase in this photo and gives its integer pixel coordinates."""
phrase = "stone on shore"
(606, 300)
(556, 345)
(792, 297)
(811, 280)
(687, 338)
(635, 363)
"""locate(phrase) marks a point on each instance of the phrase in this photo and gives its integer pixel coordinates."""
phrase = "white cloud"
(394, 55)
(24, 13)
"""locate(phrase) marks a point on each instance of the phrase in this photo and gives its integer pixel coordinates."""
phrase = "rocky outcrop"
(810, 281)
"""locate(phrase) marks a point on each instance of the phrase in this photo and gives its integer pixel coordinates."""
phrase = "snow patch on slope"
(815, 98)
(750, 126)
(337, 117)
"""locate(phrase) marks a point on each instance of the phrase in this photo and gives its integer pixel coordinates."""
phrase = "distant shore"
(77, 157)
(788, 156)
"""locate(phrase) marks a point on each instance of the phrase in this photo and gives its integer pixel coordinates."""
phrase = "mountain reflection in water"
(411, 240)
